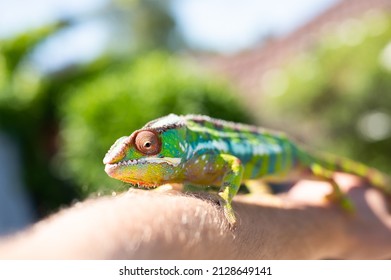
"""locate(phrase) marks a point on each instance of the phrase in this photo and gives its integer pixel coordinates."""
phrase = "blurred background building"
(76, 75)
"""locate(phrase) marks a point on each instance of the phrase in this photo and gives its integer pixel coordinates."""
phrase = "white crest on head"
(166, 121)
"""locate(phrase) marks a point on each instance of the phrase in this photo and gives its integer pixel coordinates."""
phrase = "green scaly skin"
(199, 150)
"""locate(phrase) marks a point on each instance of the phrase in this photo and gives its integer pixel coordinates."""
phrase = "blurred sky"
(217, 25)
(230, 25)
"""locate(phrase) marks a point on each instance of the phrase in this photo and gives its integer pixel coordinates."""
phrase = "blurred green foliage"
(338, 94)
(23, 115)
(122, 99)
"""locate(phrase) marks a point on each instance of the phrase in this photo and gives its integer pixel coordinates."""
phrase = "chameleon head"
(148, 157)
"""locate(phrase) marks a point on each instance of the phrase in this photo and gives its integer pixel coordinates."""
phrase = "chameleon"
(202, 151)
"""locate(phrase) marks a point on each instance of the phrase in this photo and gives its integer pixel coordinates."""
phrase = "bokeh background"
(76, 75)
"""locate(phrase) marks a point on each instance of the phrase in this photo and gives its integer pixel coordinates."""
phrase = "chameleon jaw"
(110, 168)
(113, 169)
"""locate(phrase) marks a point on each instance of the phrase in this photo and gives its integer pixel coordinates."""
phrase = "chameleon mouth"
(125, 163)
(110, 167)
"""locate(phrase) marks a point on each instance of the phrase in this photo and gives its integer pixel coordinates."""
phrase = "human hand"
(138, 224)
(368, 230)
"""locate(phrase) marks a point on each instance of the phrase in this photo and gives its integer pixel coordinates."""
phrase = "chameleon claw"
(344, 202)
(229, 215)
(347, 205)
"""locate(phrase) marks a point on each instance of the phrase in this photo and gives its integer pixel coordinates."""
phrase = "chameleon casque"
(203, 151)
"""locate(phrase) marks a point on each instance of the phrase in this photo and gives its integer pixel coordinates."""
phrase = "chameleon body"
(203, 151)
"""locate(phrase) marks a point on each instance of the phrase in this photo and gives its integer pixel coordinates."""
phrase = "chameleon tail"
(335, 163)
(372, 175)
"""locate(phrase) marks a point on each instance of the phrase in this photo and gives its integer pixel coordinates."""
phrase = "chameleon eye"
(147, 142)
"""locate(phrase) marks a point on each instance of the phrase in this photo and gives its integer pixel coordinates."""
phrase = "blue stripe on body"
(272, 163)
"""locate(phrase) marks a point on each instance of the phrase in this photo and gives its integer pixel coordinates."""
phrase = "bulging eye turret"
(147, 142)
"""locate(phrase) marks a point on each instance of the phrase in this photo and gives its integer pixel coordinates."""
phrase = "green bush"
(25, 117)
(122, 99)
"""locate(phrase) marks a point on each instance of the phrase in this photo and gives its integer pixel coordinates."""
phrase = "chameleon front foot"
(228, 210)
(230, 185)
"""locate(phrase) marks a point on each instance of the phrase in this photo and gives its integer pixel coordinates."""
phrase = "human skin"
(139, 224)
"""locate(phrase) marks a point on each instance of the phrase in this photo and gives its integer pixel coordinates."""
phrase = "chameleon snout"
(117, 152)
